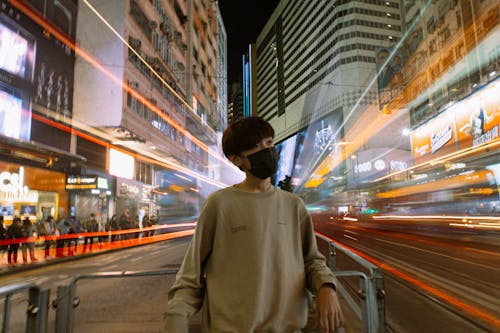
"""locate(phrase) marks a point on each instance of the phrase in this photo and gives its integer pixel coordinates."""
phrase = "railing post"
(37, 313)
(378, 282)
(332, 256)
(64, 308)
(6, 314)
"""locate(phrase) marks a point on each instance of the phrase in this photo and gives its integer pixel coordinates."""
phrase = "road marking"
(350, 231)
(347, 236)
(439, 254)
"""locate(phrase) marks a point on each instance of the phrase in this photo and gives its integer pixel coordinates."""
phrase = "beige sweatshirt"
(250, 262)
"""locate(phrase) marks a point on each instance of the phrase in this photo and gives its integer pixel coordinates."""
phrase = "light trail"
(143, 156)
(35, 16)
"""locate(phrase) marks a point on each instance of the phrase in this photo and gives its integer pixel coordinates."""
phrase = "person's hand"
(328, 313)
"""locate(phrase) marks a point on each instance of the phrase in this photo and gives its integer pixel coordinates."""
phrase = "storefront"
(29, 191)
(90, 194)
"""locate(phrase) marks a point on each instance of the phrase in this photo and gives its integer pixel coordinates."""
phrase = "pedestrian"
(14, 234)
(89, 227)
(3, 238)
(47, 230)
(145, 225)
(75, 230)
(125, 223)
(114, 226)
(62, 231)
(28, 245)
(253, 256)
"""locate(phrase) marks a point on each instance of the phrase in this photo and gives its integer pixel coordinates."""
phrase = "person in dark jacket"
(14, 233)
(114, 226)
(3, 236)
(125, 223)
(29, 243)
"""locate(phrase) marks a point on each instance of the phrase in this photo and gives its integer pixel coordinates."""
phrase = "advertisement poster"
(320, 149)
(478, 117)
(390, 77)
(435, 138)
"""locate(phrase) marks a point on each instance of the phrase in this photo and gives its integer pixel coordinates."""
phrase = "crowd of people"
(64, 235)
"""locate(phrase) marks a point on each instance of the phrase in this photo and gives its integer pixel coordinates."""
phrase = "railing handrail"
(16, 287)
(360, 260)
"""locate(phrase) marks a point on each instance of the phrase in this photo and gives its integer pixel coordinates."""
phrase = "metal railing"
(36, 311)
(371, 292)
(369, 305)
(67, 301)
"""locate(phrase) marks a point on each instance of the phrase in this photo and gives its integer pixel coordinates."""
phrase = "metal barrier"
(37, 310)
(67, 300)
(371, 294)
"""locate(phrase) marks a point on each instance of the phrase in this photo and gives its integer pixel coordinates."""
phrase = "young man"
(254, 254)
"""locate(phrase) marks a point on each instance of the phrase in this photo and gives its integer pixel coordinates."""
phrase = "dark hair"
(244, 134)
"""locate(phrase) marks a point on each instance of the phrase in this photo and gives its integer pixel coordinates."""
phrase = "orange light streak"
(28, 11)
(474, 178)
(135, 155)
(422, 285)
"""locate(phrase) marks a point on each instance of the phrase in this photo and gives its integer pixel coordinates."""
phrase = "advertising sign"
(478, 117)
(86, 183)
(467, 124)
(435, 138)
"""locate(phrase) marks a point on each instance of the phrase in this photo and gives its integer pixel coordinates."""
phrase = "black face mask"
(264, 163)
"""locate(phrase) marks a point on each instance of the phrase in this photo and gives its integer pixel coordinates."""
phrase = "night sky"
(243, 24)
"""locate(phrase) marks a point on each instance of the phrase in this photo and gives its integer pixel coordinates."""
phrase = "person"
(47, 230)
(113, 227)
(3, 237)
(89, 227)
(145, 225)
(14, 231)
(125, 223)
(28, 244)
(62, 231)
(253, 258)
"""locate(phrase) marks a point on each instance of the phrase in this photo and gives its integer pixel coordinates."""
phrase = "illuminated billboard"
(314, 147)
(466, 124)
(15, 122)
(435, 138)
(478, 117)
(13, 52)
(121, 164)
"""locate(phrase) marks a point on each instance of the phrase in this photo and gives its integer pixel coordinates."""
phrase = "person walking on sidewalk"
(253, 258)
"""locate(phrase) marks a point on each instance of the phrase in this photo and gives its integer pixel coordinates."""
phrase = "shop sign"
(81, 182)
(133, 189)
(86, 183)
(102, 183)
(12, 188)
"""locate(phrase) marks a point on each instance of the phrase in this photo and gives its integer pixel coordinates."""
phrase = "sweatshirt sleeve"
(185, 297)
(316, 269)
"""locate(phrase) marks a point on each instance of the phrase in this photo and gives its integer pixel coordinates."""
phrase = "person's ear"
(235, 159)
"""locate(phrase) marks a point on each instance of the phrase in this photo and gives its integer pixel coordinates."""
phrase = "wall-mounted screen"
(11, 111)
(13, 51)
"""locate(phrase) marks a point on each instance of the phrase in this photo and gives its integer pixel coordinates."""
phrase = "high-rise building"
(316, 65)
(154, 75)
